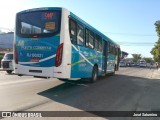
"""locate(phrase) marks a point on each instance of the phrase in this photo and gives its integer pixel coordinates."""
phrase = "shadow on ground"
(110, 93)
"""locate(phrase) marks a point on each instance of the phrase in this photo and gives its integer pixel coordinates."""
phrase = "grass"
(1, 55)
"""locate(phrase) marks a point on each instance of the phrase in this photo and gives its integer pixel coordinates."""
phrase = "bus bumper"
(56, 72)
(61, 72)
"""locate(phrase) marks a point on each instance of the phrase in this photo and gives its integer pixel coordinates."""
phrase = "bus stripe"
(39, 61)
(80, 61)
(82, 55)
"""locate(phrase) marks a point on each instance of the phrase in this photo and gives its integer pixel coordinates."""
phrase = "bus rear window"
(40, 23)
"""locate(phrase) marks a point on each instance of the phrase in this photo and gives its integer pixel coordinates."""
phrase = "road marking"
(19, 81)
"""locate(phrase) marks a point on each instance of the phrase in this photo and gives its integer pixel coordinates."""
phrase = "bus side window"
(91, 39)
(96, 42)
(72, 30)
(80, 35)
(87, 38)
(114, 50)
(119, 53)
(105, 47)
(109, 47)
(99, 43)
(100, 46)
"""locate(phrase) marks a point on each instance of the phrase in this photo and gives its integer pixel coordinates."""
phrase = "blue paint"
(80, 67)
(27, 50)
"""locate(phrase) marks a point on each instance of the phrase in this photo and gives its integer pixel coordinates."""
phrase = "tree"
(156, 49)
(123, 54)
(148, 60)
(136, 57)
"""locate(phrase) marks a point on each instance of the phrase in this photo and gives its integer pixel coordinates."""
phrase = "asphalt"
(156, 73)
(132, 88)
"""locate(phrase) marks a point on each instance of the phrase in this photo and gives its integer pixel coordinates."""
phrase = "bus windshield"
(39, 23)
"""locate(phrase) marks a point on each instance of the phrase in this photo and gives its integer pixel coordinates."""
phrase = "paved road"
(131, 89)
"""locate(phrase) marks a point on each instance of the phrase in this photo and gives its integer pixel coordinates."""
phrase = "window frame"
(87, 38)
(71, 20)
(80, 25)
(100, 45)
(19, 26)
(96, 42)
(93, 38)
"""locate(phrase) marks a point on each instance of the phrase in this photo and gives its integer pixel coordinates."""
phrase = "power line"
(136, 43)
(132, 34)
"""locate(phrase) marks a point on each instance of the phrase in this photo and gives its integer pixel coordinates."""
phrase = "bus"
(54, 42)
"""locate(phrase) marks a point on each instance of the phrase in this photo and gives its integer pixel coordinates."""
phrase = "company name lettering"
(37, 48)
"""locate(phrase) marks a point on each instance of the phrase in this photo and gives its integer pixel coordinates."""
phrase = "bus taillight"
(15, 54)
(59, 55)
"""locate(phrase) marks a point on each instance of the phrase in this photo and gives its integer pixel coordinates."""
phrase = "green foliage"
(136, 57)
(156, 49)
(157, 25)
(1, 55)
(148, 60)
(124, 54)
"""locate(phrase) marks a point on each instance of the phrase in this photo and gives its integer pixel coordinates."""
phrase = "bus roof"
(75, 17)
(93, 29)
(40, 9)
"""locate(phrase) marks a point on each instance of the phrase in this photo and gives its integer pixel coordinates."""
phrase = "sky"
(127, 22)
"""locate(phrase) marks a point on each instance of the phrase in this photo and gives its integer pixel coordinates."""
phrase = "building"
(6, 40)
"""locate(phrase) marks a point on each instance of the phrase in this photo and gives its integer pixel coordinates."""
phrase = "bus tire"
(9, 71)
(94, 74)
(113, 73)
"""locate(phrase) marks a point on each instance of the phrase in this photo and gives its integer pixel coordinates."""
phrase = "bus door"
(105, 54)
(118, 59)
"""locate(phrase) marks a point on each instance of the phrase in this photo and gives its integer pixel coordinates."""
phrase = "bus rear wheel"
(113, 73)
(94, 74)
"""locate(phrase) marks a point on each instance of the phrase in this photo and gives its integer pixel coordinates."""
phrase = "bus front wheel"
(9, 71)
(94, 74)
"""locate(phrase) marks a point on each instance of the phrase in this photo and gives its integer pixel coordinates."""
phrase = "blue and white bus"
(54, 42)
